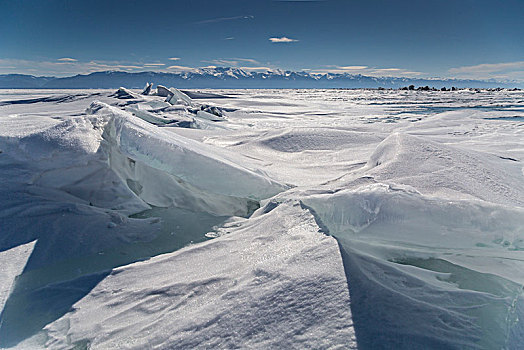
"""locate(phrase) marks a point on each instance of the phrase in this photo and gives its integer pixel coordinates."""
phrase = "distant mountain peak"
(234, 77)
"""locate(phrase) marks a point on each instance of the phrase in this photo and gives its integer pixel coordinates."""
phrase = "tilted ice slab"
(274, 281)
(147, 89)
(197, 164)
(178, 97)
(58, 193)
(125, 94)
(161, 119)
(13, 262)
(426, 272)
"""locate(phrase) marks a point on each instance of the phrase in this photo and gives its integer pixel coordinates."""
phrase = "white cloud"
(223, 62)
(118, 66)
(282, 40)
(508, 71)
(390, 69)
(67, 59)
(353, 67)
(224, 19)
(233, 62)
(247, 60)
(59, 68)
(369, 71)
(488, 68)
(512, 71)
(392, 72)
(62, 68)
(256, 69)
(174, 58)
(181, 69)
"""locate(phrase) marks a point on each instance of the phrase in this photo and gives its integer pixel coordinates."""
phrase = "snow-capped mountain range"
(230, 77)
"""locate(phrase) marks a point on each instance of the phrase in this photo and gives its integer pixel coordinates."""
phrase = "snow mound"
(447, 171)
(302, 139)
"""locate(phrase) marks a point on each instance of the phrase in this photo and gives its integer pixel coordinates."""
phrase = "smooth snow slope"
(388, 219)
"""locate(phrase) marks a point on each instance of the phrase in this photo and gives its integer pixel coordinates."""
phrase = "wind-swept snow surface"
(261, 219)
(274, 281)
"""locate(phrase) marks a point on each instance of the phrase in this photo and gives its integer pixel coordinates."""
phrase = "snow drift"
(453, 266)
(72, 185)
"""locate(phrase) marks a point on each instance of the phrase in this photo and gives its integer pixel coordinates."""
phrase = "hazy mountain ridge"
(221, 77)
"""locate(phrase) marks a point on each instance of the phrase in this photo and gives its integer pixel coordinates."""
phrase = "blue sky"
(459, 38)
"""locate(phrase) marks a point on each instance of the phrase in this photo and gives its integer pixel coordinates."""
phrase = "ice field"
(222, 219)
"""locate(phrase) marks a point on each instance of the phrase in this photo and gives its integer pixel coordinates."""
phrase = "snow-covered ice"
(261, 219)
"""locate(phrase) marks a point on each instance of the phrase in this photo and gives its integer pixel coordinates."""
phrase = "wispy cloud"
(233, 62)
(283, 39)
(390, 69)
(247, 60)
(352, 67)
(256, 69)
(506, 71)
(497, 71)
(230, 38)
(370, 71)
(489, 67)
(116, 66)
(59, 68)
(225, 19)
(67, 59)
(68, 67)
(181, 69)
(174, 58)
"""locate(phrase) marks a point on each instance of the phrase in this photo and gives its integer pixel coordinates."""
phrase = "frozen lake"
(262, 219)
